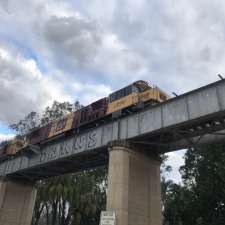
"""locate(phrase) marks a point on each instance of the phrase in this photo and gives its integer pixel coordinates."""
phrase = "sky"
(83, 50)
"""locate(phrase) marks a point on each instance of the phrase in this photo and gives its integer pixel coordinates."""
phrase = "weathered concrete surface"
(134, 187)
(16, 202)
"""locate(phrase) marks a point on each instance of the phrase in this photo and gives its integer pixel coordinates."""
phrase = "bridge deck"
(171, 125)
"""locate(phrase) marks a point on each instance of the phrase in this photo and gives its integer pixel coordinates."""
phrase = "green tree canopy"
(201, 197)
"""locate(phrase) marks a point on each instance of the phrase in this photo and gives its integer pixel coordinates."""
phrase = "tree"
(204, 175)
(41, 202)
(165, 184)
(201, 198)
(71, 199)
(56, 111)
(31, 121)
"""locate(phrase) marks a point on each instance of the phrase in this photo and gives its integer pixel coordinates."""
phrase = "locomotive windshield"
(137, 87)
(122, 93)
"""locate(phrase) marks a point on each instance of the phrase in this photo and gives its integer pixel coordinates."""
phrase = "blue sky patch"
(4, 129)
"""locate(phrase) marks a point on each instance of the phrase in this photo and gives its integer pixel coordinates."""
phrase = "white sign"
(108, 218)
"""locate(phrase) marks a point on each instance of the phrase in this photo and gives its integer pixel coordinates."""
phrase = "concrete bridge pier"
(17, 201)
(134, 190)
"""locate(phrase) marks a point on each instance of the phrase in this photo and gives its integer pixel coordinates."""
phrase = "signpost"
(108, 218)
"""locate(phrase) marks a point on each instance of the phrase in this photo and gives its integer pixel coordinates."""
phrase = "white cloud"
(5, 137)
(176, 45)
(23, 88)
(88, 93)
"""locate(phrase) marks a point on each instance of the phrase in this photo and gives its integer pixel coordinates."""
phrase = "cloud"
(73, 41)
(176, 45)
(5, 137)
(88, 93)
(23, 88)
(83, 45)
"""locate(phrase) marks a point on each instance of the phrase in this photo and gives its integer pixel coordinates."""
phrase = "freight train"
(126, 100)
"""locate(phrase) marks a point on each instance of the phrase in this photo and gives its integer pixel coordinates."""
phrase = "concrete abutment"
(134, 190)
(17, 201)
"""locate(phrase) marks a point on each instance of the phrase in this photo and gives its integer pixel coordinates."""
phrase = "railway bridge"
(131, 146)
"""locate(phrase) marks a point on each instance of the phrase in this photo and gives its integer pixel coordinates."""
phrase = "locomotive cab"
(126, 97)
(123, 98)
(139, 92)
(137, 87)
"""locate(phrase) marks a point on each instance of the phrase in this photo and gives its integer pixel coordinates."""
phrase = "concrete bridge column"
(134, 187)
(16, 202)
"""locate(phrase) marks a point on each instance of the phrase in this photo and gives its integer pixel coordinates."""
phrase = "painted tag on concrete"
(108, 218)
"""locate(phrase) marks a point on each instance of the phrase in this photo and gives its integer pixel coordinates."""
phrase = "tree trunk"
(54, 212)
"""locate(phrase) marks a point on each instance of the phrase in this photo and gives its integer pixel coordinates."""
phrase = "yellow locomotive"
(136, 93)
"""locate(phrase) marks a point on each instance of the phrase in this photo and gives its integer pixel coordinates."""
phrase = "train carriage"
(81, 117)
(62, 125)
(39, 134)
(92, 112)
(14, 146)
